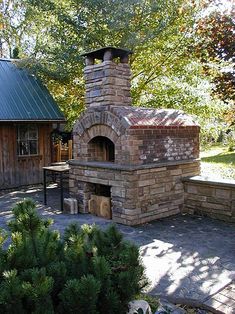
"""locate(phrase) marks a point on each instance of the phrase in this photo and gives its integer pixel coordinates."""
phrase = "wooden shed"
(27, 115)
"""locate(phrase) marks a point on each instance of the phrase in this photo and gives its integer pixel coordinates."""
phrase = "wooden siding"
(22, 170)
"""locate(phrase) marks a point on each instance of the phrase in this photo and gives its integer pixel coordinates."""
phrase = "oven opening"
(101, 148)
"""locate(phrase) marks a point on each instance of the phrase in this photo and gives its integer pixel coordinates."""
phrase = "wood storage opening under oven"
(100, 201)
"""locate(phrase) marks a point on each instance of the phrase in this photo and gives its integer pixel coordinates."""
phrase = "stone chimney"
(107, 82)
(128, 161)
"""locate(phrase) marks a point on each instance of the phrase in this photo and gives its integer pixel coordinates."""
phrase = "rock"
(70, 206)
(167, 307)
(136, 306)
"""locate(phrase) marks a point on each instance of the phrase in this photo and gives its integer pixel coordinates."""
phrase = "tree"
(85, 271)
(12, 26)
(158, 32)
(166, 70)
(216, 31)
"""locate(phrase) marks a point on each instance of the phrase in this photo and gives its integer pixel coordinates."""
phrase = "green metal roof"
(23, 97)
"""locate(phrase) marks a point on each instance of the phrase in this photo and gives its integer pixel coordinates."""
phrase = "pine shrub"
(86, 270)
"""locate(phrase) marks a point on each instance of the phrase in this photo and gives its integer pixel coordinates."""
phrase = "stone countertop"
(115, 166)
(210, 181)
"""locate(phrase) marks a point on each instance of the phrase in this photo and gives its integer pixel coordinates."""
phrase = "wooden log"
(70, 145)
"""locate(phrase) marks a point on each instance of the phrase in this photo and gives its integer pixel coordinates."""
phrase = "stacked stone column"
(107, 83)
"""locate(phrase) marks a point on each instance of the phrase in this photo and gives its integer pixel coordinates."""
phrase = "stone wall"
(138, 193)
(210, 198)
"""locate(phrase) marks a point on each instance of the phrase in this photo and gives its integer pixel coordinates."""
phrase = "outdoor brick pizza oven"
(128, 161)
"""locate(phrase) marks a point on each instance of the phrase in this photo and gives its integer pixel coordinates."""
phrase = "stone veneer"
(139, 193)
(210, 197)
(107, 83)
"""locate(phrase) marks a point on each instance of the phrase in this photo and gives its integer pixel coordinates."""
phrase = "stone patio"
(184, 256)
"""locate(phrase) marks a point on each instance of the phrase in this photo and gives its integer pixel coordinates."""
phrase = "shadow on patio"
(184, 256)
(187, 256)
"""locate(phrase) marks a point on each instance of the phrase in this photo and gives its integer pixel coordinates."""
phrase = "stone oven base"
(139, 194)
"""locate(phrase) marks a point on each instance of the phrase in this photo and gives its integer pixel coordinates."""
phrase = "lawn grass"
(217, 161)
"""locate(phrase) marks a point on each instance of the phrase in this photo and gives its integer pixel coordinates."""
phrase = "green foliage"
(11, 293)
(173, 43)
(80, 296)
(153, 301)
(87, 271)
(215, 48)
(159, 32)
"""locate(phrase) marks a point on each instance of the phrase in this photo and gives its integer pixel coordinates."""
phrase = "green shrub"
(85, 271)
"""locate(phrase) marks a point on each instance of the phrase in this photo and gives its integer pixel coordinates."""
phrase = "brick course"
(134, 146)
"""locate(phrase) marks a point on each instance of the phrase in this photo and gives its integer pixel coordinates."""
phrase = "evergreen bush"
(84, 271)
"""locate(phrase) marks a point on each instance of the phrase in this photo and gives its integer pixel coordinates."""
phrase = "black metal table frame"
(60, 172)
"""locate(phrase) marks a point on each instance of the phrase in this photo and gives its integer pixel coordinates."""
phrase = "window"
(27, 140)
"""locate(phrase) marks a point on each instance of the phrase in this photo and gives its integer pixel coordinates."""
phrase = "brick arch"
(90, 119)
(99, 130)
(81, 147)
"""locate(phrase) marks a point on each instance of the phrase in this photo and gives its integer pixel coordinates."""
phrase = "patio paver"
(224, 300)
(184, 256)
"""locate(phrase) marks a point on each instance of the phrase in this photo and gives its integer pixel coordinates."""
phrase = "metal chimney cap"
(99, 53)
